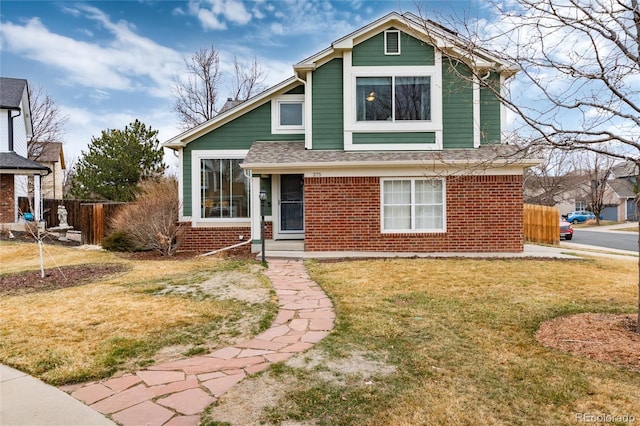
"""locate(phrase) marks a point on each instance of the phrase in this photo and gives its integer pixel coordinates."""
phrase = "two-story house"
(387, 140)
(15, 167)
(51, 155)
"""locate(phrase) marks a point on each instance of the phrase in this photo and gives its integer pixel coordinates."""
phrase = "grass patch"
(460, 334)
(629, 229)
(121, 321)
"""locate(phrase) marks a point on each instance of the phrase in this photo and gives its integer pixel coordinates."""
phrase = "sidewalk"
(27, 401)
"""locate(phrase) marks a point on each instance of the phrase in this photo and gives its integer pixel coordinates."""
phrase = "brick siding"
(483, 213)
(203, 240)
(7, 199)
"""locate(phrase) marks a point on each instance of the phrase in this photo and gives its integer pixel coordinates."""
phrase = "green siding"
(490, 112)
(412, 52)
(239, 133)
(327, 115)
(298, 90)
(381, 138)
(457, 105)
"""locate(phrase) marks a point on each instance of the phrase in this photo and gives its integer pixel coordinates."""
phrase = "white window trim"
(351, 125)
(278, 129)
(399, 42)
(413, 206)
(196, 200)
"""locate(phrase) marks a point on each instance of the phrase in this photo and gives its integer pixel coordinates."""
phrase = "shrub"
(151, 222)
(118, 241)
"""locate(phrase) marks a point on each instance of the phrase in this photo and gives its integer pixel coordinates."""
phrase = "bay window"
(413, 205)
(224, 189)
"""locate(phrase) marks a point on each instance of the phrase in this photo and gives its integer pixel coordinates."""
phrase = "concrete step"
(284, 245)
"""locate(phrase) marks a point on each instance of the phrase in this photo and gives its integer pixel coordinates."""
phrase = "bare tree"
(198, 93)
(549, 183)
(248, 81)
(48, 122)
(596, 168)
(579, 63)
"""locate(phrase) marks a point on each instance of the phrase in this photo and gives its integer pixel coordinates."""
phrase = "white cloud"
(213, 13)
(126, 61)
(209, 20)
(277, 28)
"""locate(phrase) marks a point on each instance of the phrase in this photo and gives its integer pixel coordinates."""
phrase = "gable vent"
(392, 42)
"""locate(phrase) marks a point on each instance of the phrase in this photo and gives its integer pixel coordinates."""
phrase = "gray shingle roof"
(625, 169)
(13, 161)
(11, 90)
(49, 153)
(273, 154)
(623, 187)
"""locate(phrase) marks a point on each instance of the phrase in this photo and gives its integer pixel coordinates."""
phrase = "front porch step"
(284, 245)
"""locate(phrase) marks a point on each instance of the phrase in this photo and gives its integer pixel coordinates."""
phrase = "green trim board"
(412, 52)
(394, 137)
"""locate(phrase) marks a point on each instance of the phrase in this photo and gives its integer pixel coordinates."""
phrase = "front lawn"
(428, 341)
(144, 312)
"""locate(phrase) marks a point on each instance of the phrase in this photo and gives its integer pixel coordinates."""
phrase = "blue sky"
(106, 63)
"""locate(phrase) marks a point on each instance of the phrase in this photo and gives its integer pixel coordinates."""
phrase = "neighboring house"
(377, 143)
(574, 192)
(15, 167)
(621, 193)
(51, 155)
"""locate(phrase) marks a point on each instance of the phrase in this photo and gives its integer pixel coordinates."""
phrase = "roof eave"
(298, 166)
(181, 140)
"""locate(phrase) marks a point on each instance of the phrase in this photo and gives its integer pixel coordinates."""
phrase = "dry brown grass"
(461, 334)
(91, 330)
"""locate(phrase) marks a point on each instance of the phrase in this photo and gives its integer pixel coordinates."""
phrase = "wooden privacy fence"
(89, 217)
(94, 218)
(541, 224)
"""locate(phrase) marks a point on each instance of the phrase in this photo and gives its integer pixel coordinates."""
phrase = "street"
(614, 240)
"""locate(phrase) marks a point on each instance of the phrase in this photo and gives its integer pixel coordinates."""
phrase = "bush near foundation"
(151, 221)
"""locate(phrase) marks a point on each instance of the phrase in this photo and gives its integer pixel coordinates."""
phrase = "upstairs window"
(287, 114)
(290, 114)
(392, 42)
(393, 98)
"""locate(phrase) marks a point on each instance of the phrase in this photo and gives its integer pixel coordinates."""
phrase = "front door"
(292, 205)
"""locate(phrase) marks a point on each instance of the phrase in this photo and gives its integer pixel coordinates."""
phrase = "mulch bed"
(609, 338)
(55, 278)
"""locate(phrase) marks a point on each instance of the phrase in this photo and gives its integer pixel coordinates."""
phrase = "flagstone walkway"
(176, 393)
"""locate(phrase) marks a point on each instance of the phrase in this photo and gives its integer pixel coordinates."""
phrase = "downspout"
(10, 126)
(304, 83)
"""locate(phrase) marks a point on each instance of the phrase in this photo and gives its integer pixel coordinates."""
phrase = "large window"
(413, 205)
(393, 98)
(224, 189)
